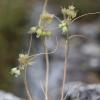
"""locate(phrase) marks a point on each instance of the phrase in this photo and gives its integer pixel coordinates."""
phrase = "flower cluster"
(69, 13)
(46, 17)
(15, 71)
(40, 31)
(24, 60)
(64, 26)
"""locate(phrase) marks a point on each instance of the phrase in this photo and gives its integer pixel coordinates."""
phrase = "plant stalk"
(47, 70)
(65, 69)
(26, 85)
(66, 48)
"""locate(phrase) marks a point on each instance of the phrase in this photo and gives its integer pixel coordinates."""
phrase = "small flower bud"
(65, 29)
(63, 10)
(33, 29)
(71, 7)
(39, 32)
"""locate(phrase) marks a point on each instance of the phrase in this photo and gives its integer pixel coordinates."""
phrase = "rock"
(82, 91)
(8, 96)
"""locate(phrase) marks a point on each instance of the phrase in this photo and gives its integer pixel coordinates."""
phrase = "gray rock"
(81, 91)
(8, 96)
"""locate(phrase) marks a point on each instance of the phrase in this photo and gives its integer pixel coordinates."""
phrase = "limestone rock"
(81, 91)
(8, 96)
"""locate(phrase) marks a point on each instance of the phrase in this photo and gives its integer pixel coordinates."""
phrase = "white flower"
(33, 29)
(71, 11)
(64, 26)
(47, 17)
(15, 71)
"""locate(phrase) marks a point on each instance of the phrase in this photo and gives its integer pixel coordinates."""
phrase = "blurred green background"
(13, 18)
(14, 21)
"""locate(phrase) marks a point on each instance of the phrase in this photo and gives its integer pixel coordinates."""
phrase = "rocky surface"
(81, 91)
(8, 96)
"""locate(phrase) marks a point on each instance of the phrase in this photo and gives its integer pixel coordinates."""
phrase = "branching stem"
(84, 16)
(39, 54)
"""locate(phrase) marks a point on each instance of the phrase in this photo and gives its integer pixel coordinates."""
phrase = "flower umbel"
(40, 31)
(23, 59)
(43, 32)
(64, 26)
(69, 12)
(47, 17)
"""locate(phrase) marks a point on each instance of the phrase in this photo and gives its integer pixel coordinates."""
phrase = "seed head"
(23, 59)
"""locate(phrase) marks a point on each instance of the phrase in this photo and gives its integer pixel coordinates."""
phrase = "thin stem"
(65, 69)
(45, 4)
(26, 85)
(43, 89)
(30, 43)
(65, 63)
(57, 18)
(84, 15)
(36, 55)
(66, 59)
(74, 36)
(47, 70)
(44, 8)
